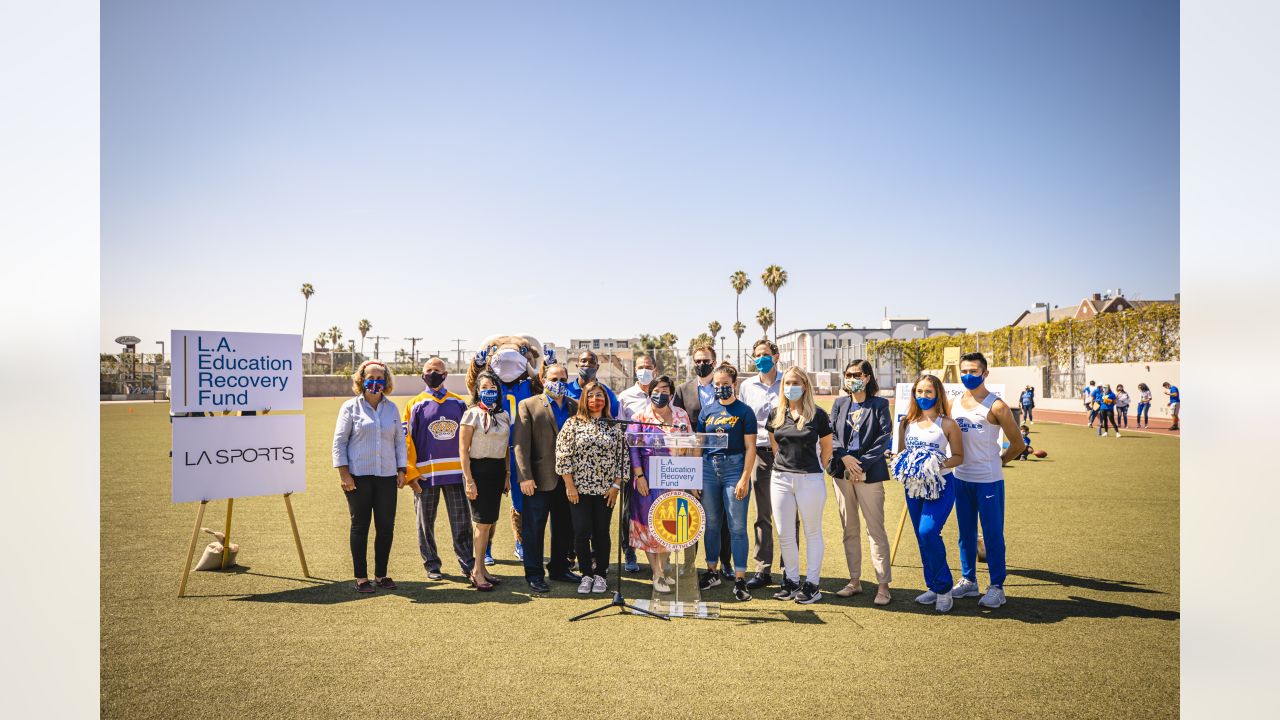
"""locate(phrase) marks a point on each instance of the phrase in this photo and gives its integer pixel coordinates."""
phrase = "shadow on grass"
(1035, 611)
(1081, 581)
(335, 592)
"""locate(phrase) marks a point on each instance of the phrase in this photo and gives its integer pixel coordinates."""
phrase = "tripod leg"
(589, 613)
(642, 611)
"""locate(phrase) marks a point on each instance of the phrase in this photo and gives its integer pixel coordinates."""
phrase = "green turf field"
(1090, 629)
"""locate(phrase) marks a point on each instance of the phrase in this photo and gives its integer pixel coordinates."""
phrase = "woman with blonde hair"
(371, 456)
(799, 431)
(930, 445)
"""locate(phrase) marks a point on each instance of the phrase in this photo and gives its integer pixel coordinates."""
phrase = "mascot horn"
(517, 361)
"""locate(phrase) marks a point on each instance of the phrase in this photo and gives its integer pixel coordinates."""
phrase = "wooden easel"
(226, 540)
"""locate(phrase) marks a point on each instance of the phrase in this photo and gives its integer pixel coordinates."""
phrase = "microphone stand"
(618, 601)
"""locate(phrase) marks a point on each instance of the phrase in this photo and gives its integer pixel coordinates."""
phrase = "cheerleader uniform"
(928, 516)
(980, 491)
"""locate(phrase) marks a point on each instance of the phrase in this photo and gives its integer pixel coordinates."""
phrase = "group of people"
(1110, 408)
(566, 451)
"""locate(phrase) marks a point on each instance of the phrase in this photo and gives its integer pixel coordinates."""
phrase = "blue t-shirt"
(1097, 395)
(1027, 397)
(1174, 395)
(737, 420)
(1108, 401)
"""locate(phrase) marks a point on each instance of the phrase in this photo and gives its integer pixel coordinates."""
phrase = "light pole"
(155, 373)
(722, 346)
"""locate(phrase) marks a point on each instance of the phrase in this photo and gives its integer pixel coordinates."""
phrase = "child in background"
(1026, 439)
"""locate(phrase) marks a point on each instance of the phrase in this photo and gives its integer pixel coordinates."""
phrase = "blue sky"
(450, 170)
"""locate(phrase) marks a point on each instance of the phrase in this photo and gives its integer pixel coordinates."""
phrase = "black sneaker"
(740, 589)
(808, 593)
(759, 580)
(788, 590)
(708, 580)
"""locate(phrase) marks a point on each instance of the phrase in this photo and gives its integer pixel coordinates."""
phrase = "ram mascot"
(517, 361)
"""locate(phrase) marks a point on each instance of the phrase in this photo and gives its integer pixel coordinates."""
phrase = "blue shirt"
(369, 440)
(559, 410)
(707, 395)
(737, 420)
(575, 392)
(1028, 398)
(1175, 397)
(1097, 395)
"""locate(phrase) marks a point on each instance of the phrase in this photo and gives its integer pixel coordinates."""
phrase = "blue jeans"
(985, 502)
(720, 475)
(1144, 410)
(1027, 412)
(928, 517)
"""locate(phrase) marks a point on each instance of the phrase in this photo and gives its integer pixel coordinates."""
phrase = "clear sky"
(451, 170)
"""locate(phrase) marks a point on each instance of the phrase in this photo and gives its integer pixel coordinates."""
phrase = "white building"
(828, 350)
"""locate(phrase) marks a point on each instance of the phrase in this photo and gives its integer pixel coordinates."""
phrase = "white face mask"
(644, 375)
(509, 365)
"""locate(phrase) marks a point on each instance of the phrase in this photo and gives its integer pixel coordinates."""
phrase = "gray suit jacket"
(535, 441)
(687, 398)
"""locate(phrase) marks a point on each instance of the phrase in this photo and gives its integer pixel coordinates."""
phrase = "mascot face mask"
(509, 365)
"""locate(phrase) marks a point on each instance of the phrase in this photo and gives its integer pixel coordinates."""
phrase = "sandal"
(364, 586)
(387, 583)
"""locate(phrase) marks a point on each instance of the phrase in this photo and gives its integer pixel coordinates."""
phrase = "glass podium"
(671, 517)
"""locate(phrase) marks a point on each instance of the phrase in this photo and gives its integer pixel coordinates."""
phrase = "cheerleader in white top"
(929, 446)
(980, 492)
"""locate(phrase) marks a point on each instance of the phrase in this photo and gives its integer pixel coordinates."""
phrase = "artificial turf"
(1090, 628)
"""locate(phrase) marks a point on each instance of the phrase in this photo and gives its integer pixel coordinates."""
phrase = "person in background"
(1089, 405)
(1144, 406)
(486, 475)
(927, 436)
(1097, 395)
(674, 420)
(691, 397)
(760, 392)
(980, 492)
(592, 458)
(432, 421)
(588, 366)
(371, 457)
(1175, 402)
(863, 428)
(540, 420)
(800, 437)
(1122, 407)
(631, 402)
(1026, 440)
(1028, 402)
(726, 478)
(1107, 411)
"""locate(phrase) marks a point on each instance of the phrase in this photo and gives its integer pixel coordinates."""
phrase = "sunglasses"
(854, 376)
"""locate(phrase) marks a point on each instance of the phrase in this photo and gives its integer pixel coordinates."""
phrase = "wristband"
(616, 486)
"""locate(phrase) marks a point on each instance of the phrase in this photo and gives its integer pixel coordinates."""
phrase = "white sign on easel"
(215, 371)
(233, 457)
(675, 472)
(902, 401)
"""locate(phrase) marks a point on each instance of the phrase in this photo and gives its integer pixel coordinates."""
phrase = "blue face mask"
(660, 399)
(973, 382)
(724, 392)
(489, 397)
(374, 385)
(764, 363)
(926, 403)
(793, 392)
(555, 388)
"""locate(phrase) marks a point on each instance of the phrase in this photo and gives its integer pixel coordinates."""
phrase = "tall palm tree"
(668, 341)
(740, 282)
(764, 316)
(335, 334)
(307, 292)
(774, 277)
(739, 327)
(714, 327)
(365, 326)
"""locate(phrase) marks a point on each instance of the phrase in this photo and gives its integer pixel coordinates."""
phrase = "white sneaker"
(1117, 434)
(944, 603)
(584, 587)
(994, 597)
(599, 585)
(928, 597)
(661, 585)
(965, 588)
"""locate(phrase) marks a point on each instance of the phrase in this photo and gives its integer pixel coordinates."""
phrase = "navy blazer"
(872, 438)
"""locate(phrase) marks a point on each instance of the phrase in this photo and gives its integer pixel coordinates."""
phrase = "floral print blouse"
(594, 453)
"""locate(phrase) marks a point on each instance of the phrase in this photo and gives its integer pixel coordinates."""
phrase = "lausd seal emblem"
(676, 520)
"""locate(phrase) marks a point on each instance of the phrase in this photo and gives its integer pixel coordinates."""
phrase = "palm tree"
(831, 326)
(649, 343)
(765, 318)
(365, 326)
(740, 282)
(321, 340)
(668, 341)
(700, 340)
(774, 277)
(335, 334)
(847, 325)
(738, 328)
(307, 292)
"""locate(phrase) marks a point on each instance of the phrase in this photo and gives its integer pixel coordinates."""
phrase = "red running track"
(1066, 417)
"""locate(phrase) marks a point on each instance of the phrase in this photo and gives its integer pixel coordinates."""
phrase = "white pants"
(806, 492)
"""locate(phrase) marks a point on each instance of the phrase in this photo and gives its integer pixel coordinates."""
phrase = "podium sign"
(675, 473)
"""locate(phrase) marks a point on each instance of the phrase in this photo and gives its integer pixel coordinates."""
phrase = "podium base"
(702, 610)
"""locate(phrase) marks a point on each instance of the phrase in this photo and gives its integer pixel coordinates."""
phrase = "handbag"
(212, 557)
